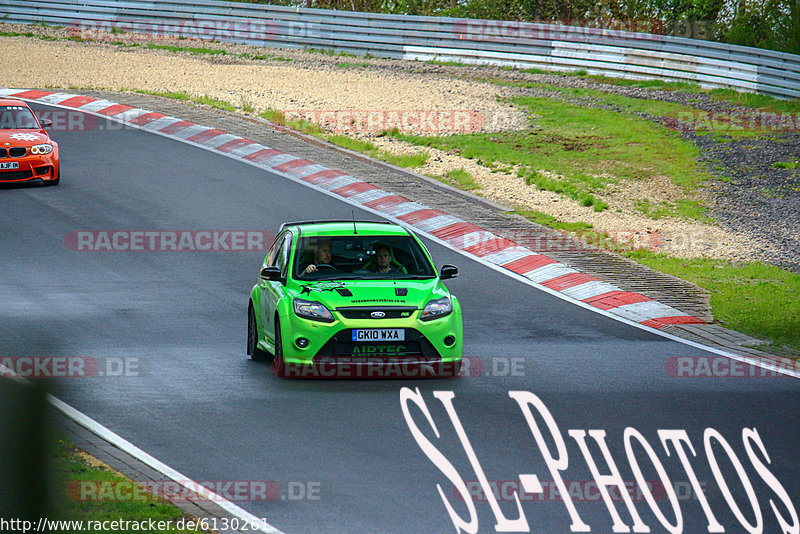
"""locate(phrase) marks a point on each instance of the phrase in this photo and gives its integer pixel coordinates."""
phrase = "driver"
(323, 255)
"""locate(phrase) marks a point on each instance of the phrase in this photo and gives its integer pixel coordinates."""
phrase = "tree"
(773, 24)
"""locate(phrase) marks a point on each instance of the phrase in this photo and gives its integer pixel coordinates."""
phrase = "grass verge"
(459, 178)
(203, 100)
(301, 125)
(656, 108)
(28, 34)
(753, 298)
(687, 209)
(449, 63)
(365, 147)
(786, 165)
(349, 65)
(410, 161)
(190, 49)
(207, 51)
(551, 222)
(330, 52)
(584, 231)
(723, 127)
(755, 101)
(71, 472)
(648, 84)
(576, 150)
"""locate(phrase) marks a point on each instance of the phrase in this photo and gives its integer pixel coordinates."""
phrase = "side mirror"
(271, 274)
(46, 123)
(448, 271)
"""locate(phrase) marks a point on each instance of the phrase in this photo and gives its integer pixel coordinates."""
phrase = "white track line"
(131, 449)
(254, 524)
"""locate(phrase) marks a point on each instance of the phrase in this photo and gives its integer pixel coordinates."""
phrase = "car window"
(280, 256)
(17, 118)
(274, 250)
(362, 256)
(270, 259)
(282, 260)
(279, 252)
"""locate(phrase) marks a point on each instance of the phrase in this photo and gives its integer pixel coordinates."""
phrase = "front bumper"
(30, 169)
(385, 367)
(331, 344)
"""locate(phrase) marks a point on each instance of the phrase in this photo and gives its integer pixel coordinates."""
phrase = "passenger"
(384, 261)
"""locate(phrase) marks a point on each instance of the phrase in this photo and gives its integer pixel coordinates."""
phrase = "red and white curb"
(453, 231)
(494, 251)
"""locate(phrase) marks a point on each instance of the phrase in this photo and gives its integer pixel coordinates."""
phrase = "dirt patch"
(304, 87)
(677, 237)
(94, 462)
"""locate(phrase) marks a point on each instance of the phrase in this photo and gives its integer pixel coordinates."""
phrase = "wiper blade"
(415, 277)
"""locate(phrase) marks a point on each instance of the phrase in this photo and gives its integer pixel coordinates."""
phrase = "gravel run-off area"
(753, 206)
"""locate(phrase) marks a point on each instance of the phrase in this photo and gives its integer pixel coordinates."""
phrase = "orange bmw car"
(27, 154)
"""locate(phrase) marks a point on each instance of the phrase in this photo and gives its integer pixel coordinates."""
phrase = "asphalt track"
(197, 403)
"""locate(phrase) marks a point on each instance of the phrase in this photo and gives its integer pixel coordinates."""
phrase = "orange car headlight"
(41, 149)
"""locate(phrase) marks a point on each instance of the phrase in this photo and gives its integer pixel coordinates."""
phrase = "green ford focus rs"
(356, 299)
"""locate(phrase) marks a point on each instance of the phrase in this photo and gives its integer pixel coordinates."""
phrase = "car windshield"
(17, 118)
(361, 257)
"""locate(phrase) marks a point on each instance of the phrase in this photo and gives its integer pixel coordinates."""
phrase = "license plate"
(9, 165)
(379, 334)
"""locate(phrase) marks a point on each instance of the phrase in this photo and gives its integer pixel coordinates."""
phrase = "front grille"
(15, 175)
(17, 151)
(414, 346)
(364, 312)
(3, 153)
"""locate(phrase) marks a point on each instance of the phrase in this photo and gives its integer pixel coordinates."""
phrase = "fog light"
(449, 340)
(301, 342)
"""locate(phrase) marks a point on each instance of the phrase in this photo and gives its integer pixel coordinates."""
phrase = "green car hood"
(371, 292)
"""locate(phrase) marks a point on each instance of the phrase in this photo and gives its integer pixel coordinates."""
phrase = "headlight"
(312, 310)
(41, 149)
(436, 308)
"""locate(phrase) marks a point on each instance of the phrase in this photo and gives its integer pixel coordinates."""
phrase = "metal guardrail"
(555, 48)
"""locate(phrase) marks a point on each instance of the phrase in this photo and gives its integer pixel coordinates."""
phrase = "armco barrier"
(559, 48)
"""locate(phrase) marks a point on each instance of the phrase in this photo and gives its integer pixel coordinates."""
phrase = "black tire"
(256, 354)
(278, 365)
